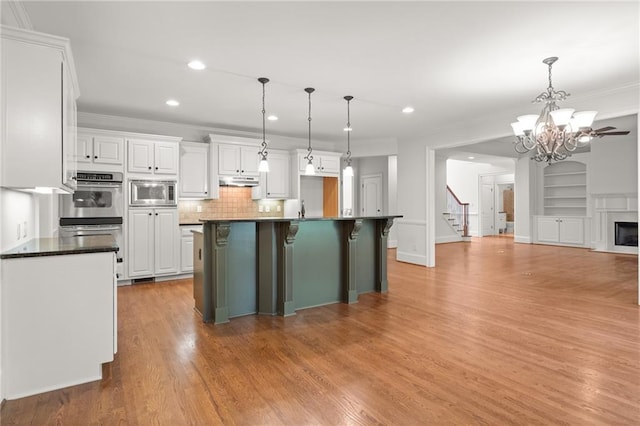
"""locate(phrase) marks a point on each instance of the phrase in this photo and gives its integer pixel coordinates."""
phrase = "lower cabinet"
(564, 230)
(59, 321)
(153, 242)
(186, 247)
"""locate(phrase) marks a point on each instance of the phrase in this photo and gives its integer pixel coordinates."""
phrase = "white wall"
(412, 202)
(444, 232)
(18, 208)
(525, 194)
(311, 192)
(614, 165)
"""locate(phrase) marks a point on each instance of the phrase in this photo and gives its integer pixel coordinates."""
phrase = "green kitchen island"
(275, 266)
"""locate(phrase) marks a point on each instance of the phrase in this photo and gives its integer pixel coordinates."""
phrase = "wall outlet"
(199, 209)
(24, 230)
(260, 208)
(278, 208)
(267, 209)
(19, 233)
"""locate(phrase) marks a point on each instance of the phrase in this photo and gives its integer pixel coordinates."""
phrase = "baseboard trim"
(523, 240)
(448, 239)
(392, 243)
(416, 259)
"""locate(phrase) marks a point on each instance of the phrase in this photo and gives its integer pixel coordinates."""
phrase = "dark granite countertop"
(289, 219)
(190, 223)
(61, 246)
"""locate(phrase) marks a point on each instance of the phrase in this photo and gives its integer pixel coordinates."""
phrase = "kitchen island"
(276, 266)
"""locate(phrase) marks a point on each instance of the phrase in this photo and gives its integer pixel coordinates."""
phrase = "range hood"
(239, 181)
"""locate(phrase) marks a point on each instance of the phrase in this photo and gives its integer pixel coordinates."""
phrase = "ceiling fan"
(604, 131)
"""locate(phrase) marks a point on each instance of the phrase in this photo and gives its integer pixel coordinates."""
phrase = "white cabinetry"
(59, 321)
(39, 90)
(275, 183)
(152, 157)
(238, 160)
(562, 230)
(325, 164)
(153, 242)
(186, 247)
(99, 152)
(194, 170)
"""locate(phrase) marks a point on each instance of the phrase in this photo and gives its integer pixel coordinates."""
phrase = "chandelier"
(556, 132)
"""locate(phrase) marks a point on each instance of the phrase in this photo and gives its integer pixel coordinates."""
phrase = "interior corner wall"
(525, 199)
(412, 204)
(392, 162)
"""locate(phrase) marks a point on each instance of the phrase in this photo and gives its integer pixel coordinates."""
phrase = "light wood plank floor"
(498, 333)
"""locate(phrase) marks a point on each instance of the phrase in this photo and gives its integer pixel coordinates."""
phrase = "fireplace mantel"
(608, 209)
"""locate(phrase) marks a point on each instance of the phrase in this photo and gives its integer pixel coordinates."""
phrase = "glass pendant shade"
(263, 166)
(527, 122)
(561, 116)
(348, 171)
(584, 119)
(517, 128)
(309, 170)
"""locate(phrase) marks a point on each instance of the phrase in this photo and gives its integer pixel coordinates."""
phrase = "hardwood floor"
(498, 333)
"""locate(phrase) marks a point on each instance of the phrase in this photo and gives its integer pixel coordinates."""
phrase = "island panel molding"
(279, 265)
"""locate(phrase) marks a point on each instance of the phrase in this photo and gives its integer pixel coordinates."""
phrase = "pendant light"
(309, 170)
(264, 165)
(348, 171)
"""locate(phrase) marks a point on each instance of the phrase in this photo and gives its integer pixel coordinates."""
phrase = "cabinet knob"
(268, 193)
(237, 171)
(149, 167)
(156, 214)
(88, 156)
(205, 192)
(242, 171)
(149, 214)
(156, 167)
(95, 156)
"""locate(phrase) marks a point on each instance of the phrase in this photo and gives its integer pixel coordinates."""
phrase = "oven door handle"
(95, 228)
(85, 184)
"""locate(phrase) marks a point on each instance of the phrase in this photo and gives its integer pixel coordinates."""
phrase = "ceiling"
(467, 68)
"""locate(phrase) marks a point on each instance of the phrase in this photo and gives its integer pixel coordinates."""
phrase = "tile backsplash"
(234, 202)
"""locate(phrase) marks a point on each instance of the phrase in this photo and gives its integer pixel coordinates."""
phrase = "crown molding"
(18, 16)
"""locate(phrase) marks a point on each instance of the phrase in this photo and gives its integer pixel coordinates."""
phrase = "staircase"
(457, 215)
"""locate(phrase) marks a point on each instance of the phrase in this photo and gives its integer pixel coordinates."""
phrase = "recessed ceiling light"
(347, 129)
(172, 102)
(471, 158)
(408, 110)
(272, 118)
(196, 65)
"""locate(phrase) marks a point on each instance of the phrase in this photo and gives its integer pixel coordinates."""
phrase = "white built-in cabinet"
(565, 189)
(152, 157)
(39, 91)
(153, 242)
(238, 160)
(563, 230)
(276, 183)
(325, 164)
(186, 247)
(99, 151)
(194, 170)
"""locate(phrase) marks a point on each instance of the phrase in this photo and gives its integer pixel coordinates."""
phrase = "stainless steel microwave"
(153, 193)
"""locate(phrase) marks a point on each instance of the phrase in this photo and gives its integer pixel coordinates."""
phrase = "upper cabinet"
(325, 164)
(194, 170)
(38, 111)
(99, 151)
(153, 157)
(238, 160)
(276, 183)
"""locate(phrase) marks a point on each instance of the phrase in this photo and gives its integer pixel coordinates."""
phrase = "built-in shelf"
(565, 188)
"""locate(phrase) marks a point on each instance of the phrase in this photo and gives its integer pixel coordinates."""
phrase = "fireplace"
(626, 234)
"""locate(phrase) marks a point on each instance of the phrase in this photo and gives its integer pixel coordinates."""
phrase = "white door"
(278, 178)
(194, 170)
(140, 247)
(108, 150)
(166, 158)
(186, 254)
(229, 160)
(167, 240)
(487, 209)
(84, 148)
(140, 156)
(371, 195)
(571, 230)
(249, 161)
(548, 229)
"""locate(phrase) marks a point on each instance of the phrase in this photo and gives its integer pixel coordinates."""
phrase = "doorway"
(371, 195)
